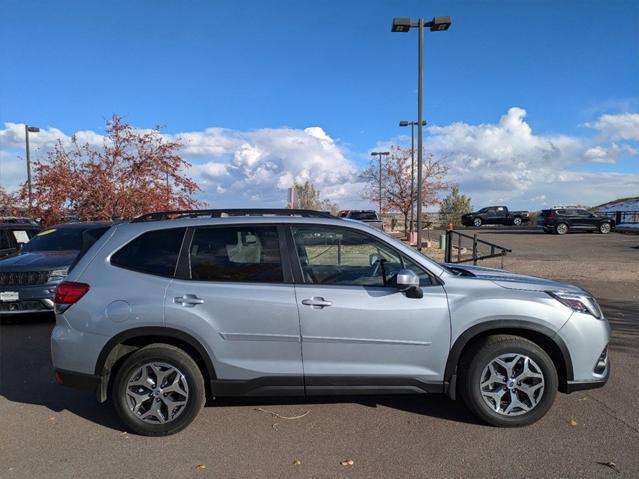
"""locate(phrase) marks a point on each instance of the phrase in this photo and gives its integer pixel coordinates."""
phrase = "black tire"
(517, 221)
(175, 357)
(605, 228)
(561, 228)
(477, 222)
(485, 351)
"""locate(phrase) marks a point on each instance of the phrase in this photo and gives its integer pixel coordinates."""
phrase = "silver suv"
(174, 307)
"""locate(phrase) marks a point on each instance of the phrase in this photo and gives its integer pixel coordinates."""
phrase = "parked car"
(15, 235)
(495, 215)
(161, 313)
(28, 279)
(563, 220)
(367, 216)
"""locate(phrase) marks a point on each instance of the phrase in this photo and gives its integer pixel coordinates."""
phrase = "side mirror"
(408, 282)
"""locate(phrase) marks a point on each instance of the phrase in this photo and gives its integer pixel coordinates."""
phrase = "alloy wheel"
(157, 392)
(517, 221)
(605, 228)
(477, 222)
(562, 228)
(512, 384)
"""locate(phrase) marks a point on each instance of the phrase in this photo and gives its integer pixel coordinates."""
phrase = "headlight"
(58, 274)
(580, 303)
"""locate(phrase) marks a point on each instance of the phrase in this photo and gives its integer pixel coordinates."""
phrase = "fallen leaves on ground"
(297, 462)
(571, 422)
(347, 463)
(201, 466)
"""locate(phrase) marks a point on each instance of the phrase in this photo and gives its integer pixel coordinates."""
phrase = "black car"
(562, 220)
(28, 279)
(14, 235)
(495, 215)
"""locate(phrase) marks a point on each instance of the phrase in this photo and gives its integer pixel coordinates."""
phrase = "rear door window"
(155, 252)
(248, 254)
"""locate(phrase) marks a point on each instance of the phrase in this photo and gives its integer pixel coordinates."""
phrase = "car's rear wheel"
(604, 228)
(517, 221)
(561, 229)
(477, 222)
(508, 381)
(158, 390)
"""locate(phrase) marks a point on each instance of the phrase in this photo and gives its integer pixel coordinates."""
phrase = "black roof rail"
(219, 213)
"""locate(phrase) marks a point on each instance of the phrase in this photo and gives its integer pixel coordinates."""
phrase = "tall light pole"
(403, 25)
(412, 166)
(29, 129)
(379, 154)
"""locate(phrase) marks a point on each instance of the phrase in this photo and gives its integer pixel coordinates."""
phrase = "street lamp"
(29, 129)
(403, 25)
(379, 154)
(412, 165)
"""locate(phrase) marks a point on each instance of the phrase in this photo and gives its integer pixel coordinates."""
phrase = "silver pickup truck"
(367, 216)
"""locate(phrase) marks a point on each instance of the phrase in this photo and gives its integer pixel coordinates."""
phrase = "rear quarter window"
(155, 252)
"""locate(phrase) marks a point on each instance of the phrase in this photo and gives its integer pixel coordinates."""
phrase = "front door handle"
(317, 302)
(188, 300)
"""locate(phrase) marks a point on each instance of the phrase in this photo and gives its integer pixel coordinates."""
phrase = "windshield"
(64, 239)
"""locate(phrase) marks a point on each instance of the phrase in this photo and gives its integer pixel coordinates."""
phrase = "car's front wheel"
(517, 221)
(508, 381)
(604, 228)
(158, 390)
(477, 222)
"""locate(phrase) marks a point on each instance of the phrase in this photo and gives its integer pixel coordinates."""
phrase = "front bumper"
(31, 299)
(586, 338)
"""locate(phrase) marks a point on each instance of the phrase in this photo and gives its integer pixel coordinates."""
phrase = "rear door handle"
(188, 300)
(317, 302)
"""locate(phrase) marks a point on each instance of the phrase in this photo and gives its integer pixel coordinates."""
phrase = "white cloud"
(503, 162)
(624, 126)
(507, 163)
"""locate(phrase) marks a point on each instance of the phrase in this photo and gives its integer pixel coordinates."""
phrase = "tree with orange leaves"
(133, 172)
(396, 182)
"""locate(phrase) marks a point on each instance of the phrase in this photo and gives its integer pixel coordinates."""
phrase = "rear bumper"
(85, 382)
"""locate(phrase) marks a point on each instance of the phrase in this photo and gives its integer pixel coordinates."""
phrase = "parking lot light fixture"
(380, 154)
(29, 129)
(403, 25)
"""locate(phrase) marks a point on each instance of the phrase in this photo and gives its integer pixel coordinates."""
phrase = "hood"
(38, 261)
(509, 280)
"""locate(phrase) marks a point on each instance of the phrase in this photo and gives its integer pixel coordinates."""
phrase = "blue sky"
(289, 65)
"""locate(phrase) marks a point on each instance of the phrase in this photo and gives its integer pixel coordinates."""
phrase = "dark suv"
(28, 279)
(562, 220)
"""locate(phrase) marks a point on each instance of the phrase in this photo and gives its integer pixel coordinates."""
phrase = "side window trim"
(297, 265)
(183, 270)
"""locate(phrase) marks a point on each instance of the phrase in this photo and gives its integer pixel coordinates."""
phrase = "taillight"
(68, 292)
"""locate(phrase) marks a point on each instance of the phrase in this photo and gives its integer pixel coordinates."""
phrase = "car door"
(578, 220)
(359, 333)
(234, 292)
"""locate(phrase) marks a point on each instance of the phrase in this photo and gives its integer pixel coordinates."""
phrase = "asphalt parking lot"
(51, 431)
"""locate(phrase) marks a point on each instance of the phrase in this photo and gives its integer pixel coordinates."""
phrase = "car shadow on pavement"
(432, 405)
(623, 317)
(27, 376)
